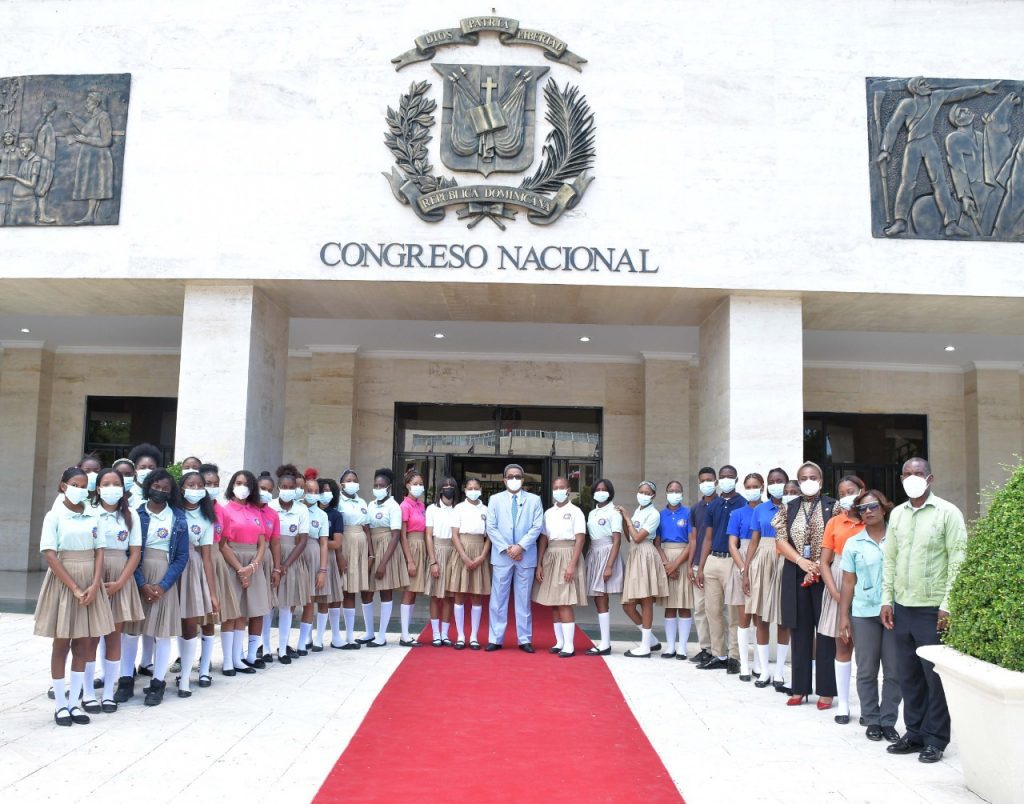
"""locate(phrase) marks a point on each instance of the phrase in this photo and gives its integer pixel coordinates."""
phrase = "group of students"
(132, 553)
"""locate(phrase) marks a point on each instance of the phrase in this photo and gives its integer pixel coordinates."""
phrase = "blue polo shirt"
(763, 516)
(740, 522)
(698, 520)
(718, 514)
(864, 557)
(675, 525)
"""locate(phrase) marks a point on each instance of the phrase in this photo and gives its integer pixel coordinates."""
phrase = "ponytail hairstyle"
(311, 473)
(288, 470)
(122, 506)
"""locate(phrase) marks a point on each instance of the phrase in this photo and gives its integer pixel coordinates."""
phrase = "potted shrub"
(982, 661)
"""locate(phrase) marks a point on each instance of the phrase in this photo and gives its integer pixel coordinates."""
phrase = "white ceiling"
(468, 337)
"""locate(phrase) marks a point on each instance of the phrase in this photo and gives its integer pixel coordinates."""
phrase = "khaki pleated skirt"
(680, 590)
(193, 591)
(553, 590)
(254, 601)
(163, 618)
(420, 582)
(227, 597)
(469, 582)
(444, 555)
(125, 605)
(59, 615)
(396, 573)
(645, 576)
(597, 560)
(267, 568)
(734, 586)
(311, 561)
(294, 587)
(334, 588)
(353, 548)
(776, 612)
(763, 576)
(828, 622)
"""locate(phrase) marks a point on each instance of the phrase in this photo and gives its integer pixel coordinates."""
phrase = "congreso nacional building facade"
(603, 239)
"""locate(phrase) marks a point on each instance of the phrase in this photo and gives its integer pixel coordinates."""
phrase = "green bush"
(987, 602)
(175, 471)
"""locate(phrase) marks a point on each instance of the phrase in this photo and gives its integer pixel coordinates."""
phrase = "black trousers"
(801, 610)
(924, 701)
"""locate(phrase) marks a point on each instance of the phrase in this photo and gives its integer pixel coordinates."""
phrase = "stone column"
(667, 435)
(994, 429)
(231, 387)
(26, 386)
(751, 384)
(331, 408)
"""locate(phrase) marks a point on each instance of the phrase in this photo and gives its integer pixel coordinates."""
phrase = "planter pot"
(986, 704)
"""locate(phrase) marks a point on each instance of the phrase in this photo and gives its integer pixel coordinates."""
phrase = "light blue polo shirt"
(864, 558)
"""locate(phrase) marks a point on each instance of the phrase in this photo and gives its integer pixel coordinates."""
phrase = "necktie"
(515, 514)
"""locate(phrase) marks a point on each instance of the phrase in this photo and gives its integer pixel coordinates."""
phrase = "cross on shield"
(488, 117)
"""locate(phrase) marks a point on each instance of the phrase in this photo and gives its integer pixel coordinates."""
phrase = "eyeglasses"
(863, 509)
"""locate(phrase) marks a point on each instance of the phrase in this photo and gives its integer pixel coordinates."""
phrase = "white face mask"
(776, 489)
(76, 495)
(750, 495)
(111, 495)
(674, 497)
(601, 497)
(311, 499)
(213, 491)
(265, 496)
(194, 495)
(560, 495)
(727, 485)
(788, 498)
(416, 491)
(142, 474)
(915, 486)
(707, 488)
(472, 494)
(326, 497)
(288, 495)
(241, 492)
(809, 488)
(380, 494)
(846, 503)
(643, 499)
(351, 489)
(91, 478)
(129, 483)
(513, 484)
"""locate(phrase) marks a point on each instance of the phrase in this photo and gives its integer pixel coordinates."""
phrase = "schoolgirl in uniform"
(390, 568)
(72, 609)
(197, 588)
(676, 555)
(761, 573)
(604, 560)
(469, 575)
(315, 556)
(356, 550)
(561, 573)
(439, 520)
(121, 537)
(145, 458)
(738, 588)
(264, 651)
(330, 609)
(225, 593)
(414, 526)
(126, 469)
(292, 575)
(243, 545)
(165, 553)
(645, 579)
(191, 464)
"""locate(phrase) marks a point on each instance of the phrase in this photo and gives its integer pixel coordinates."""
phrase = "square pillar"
(332, 381)
(667, 436)
(26, 387)
(231, 384)
(994, 428)
(751, 384)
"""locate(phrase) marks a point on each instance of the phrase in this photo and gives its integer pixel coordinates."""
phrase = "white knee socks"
(671, 629)
(459, 615)
(368, 620)
(89, 691)
(318, 635)
(781, 652)
(284, 630)
(385, 618)
(60, 695)
(334, 615)
(161, 658)
(569, 634)
(604, 622)
(74, 688)
(406, 616)
(350, 625)
(148, 644)
(205, 655)
(129, 649)
(843, 672)
(435, 628)
(187, 651)
(559, 635)
(445, 628)
(254, 645)
(265, 633)
(685, 624)
(110, 673)
(227, 646)
(101, 655)
(646, 640)
(238, 648)
(305, 629)
(475, 613)
(743, 645)
(763, 652)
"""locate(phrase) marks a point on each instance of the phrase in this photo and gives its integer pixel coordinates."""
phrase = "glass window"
(114, 424)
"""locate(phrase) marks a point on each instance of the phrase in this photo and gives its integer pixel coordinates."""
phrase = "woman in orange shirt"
(839, 528)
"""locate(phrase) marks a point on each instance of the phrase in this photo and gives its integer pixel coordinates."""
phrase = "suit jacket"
(529, 521)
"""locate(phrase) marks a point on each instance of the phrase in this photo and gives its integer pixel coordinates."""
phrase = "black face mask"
(448, 493)
(158, 496)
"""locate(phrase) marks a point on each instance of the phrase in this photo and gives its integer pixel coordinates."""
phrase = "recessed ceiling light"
(26, 330)
(951, 348)
(439, 335)
(584, 339)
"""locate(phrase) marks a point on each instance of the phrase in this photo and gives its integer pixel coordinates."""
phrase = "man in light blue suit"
(514, 521)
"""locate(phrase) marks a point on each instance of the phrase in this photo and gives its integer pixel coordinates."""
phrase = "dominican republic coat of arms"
(488, 125)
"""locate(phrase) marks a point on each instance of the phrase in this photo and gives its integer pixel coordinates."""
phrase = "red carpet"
(505, 726)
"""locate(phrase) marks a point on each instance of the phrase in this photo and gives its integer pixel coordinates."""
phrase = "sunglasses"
(863, 509)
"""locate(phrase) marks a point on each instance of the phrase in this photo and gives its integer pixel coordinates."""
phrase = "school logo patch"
(162, 533)
(362, 510)
(380, 515)
(315, 523)
(681, 523)
(292, 528)
(218, 530)
(122, 535)
(636, 523)
(602, 522)
(95, 532)
(566, 516)
(196, 529)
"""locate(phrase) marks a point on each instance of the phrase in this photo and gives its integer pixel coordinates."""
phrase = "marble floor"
(278, 733)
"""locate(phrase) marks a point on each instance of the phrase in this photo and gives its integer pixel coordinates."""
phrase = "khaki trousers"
(700, 619)
(721, 618)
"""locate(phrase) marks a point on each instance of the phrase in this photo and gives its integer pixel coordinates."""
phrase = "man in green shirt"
(924, 547)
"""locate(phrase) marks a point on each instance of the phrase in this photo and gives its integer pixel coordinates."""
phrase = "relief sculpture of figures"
(944, 158)
(62, 149)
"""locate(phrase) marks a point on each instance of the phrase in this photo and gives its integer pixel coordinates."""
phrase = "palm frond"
(569, 147)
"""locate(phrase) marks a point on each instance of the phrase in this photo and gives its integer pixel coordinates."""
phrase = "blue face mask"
(312, 499)
(129, 483)
(326, 497)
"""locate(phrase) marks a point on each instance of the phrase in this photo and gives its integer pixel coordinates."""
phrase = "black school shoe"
(79, 718)
(155, 696)
(930, 754)
(874, 733)
(700, 658)
(125, 689)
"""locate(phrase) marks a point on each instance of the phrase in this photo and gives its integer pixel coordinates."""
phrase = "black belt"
(719, 554)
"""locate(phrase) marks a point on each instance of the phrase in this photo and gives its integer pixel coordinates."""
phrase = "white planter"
(986, 704)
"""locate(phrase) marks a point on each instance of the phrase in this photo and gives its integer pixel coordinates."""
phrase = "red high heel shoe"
(822, 705)
(796, 700)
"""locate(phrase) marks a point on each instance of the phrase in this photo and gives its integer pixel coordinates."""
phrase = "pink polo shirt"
(271, 521)
(413, 515)
(242, 524)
